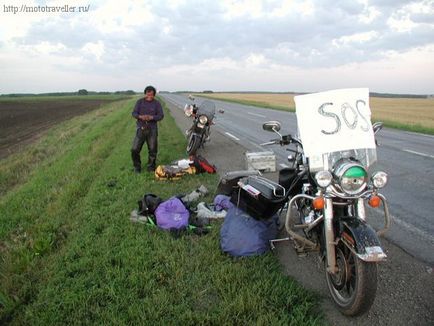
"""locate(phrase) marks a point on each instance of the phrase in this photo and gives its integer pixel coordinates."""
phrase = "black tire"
(193, 144)
(353, 288)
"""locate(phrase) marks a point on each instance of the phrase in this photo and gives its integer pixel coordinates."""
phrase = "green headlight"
(351, 177)
(355, 172)
(354, 180)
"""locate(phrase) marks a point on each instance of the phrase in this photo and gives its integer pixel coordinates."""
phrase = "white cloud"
(95, 49)
(255, 59)
(290, 44)
(238, 8)
(355, 38)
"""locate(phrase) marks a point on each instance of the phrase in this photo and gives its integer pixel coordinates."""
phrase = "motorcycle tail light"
(374, 201)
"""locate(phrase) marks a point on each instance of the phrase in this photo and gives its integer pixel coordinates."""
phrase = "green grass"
(409, 127)
(70, 255)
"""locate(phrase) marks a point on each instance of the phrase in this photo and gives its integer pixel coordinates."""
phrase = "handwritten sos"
(352, 117)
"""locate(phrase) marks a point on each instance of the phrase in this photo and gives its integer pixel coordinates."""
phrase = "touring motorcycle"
(322, 197)
(199, 133)
(325, 213)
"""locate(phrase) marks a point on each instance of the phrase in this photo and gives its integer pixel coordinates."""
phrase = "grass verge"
(69, 254)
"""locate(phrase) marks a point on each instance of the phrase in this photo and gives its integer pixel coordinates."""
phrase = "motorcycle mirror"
(377, 126)
(221, 111)
(273, 126)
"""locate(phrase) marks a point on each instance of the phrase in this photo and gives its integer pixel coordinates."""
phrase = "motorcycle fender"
(362, 239)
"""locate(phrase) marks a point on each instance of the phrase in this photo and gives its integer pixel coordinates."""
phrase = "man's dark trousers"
(150, 135)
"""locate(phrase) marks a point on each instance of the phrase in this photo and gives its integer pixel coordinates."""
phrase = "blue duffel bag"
(242, 235)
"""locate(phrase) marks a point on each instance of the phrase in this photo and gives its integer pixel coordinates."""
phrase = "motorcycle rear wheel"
(354, 286)
(193, 144)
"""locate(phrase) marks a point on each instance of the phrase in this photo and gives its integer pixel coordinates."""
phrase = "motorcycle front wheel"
(193, 144)
(354, 285)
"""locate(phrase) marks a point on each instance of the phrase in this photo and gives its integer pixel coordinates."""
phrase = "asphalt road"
(407, 157)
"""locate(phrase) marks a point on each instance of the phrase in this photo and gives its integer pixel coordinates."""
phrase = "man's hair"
(150, 88)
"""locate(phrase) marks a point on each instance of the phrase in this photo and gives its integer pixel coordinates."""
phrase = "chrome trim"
(329, 236)
(314, 223)
(361, 212)
(277, 240)
(333, 192)
(387, 219)
(370, 258)
(294, 236)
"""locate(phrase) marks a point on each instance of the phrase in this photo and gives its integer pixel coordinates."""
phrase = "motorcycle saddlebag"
(259, 197)
(229, 182)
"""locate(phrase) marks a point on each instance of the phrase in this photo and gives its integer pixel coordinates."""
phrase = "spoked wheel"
(354, 285)
(193, 144)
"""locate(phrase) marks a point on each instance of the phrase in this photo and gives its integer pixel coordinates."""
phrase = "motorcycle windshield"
(334, 125)
(207, 108)
(366, 156)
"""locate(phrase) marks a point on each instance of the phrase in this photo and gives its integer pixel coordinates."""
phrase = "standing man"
(147, 111)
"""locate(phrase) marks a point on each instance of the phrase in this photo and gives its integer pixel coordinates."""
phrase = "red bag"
(202, 165)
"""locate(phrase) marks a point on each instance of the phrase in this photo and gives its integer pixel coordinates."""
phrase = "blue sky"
(386, 45)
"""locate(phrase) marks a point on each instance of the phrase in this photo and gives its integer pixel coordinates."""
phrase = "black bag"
(229, 182)
(148, 204)
(259, 197)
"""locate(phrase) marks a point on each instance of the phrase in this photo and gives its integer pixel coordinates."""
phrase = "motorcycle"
(325, 213)
(199, 133)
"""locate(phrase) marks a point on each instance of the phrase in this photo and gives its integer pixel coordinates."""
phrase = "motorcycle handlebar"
(272, 142)
(285, 140)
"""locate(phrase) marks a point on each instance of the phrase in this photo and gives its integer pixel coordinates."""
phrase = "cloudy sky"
(386, 45)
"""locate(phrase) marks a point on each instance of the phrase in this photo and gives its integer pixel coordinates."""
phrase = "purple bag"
(222, 202)
(172, 214)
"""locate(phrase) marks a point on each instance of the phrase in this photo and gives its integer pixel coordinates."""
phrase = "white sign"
(334, 121)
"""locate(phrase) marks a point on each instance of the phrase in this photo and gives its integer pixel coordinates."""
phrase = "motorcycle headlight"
(323, 178)
(379, 179)
(352, 178)
(203, 119)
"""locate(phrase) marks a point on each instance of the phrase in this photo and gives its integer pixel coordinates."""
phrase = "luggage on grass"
(242, 235)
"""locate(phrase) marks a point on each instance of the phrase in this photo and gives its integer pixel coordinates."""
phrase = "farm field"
(23, 119)
(414, 114)
(69, 253)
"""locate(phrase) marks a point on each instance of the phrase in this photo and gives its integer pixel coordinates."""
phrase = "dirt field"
(405, 111)
(23, 120)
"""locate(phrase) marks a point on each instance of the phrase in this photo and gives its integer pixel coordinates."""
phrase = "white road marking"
(257, 115)
(418, 153)
(418, 134)
(232, 136)
(413, 229)
(283, 165)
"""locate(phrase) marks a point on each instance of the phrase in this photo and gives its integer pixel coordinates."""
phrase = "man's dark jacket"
(152, 108)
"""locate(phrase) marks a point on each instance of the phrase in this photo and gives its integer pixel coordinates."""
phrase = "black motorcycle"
(323, 210)
(199, 133)
(325, 213)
